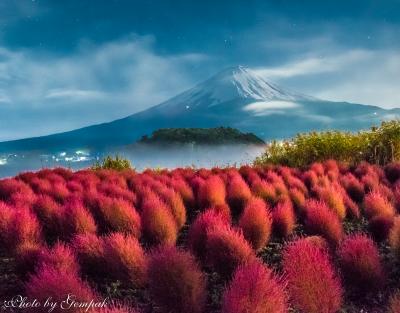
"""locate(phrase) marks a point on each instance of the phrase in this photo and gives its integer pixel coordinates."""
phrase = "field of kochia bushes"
(275, 239)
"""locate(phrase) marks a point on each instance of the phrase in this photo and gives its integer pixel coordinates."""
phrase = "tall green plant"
(111, 163)
(380, 145)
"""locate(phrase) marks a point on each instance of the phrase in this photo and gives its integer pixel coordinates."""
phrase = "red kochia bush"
(227, 249)
(264, 190)
(24, 228)
(60, 258)
(125, 258)
(6, 218)
(354, 188)
(254, 289)
(238, 193)
(299, 200)
(184, 190)
(48, 212)
(313, 285)
(16, 192)
(175, 204)
(376, 204)
(119, 215)
(197, 236)
(360, 263)
(89, 249)
(256, 223)
(320, 220)
(159, 226)
(333, 198)
(212, 192)
(75, 219)
(50, 283)
(284, 219)
(176, 281)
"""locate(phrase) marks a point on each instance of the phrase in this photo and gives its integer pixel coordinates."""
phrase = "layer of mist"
(141, 157)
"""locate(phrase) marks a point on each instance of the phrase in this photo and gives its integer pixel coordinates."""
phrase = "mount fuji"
(235, 97)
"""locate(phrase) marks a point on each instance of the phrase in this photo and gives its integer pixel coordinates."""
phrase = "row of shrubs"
(379, 145)
(67, 230)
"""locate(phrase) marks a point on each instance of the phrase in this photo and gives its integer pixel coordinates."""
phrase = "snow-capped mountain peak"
(231, 84)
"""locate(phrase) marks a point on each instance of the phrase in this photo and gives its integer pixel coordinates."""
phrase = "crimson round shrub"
(334, 200)
(51, 283)
(24, 228)
(89, 249)
(181, 186)
(238, 193)
(176, 282)
(313, 285)
(76, 219)
(298, 199)
(284, 219)
(60, 257)
(175, 204)
(159, 226)
(256, 223)
(353, 186)
(6, 218)
(264, 190)
(227, 249)
(212, 192)
(197, 235)
(118, 215)
(125, 258)
(360, 262)
(48, 212)
(320, 220)
(254, 288)
(376, 204)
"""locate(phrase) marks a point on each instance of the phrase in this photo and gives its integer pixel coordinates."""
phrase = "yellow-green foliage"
(380, 145)
(111, 163)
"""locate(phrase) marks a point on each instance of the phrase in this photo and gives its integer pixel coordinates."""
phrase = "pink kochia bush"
(360, 262)
(375, 204)
(6, 218)
(313, 285)
(254, 288)
(197, 236)
(119, 215)
(159, 226)
(89, 249)
(212, 192)
(75, 219)
(227, 249)
(256, 223)
(284, 219)
(51, 283)
(320, 220)
(238, 193)
(125, 258)
(176, 281)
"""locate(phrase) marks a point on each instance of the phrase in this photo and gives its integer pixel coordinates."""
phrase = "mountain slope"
(235, 97)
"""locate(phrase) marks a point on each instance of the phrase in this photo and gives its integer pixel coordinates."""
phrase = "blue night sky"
(68, 64)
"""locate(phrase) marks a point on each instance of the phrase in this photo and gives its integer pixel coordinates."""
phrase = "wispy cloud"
(353, 75)
(92, 85)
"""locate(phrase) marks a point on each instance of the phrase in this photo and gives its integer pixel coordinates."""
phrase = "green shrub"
(379, 145)
(111, 163)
